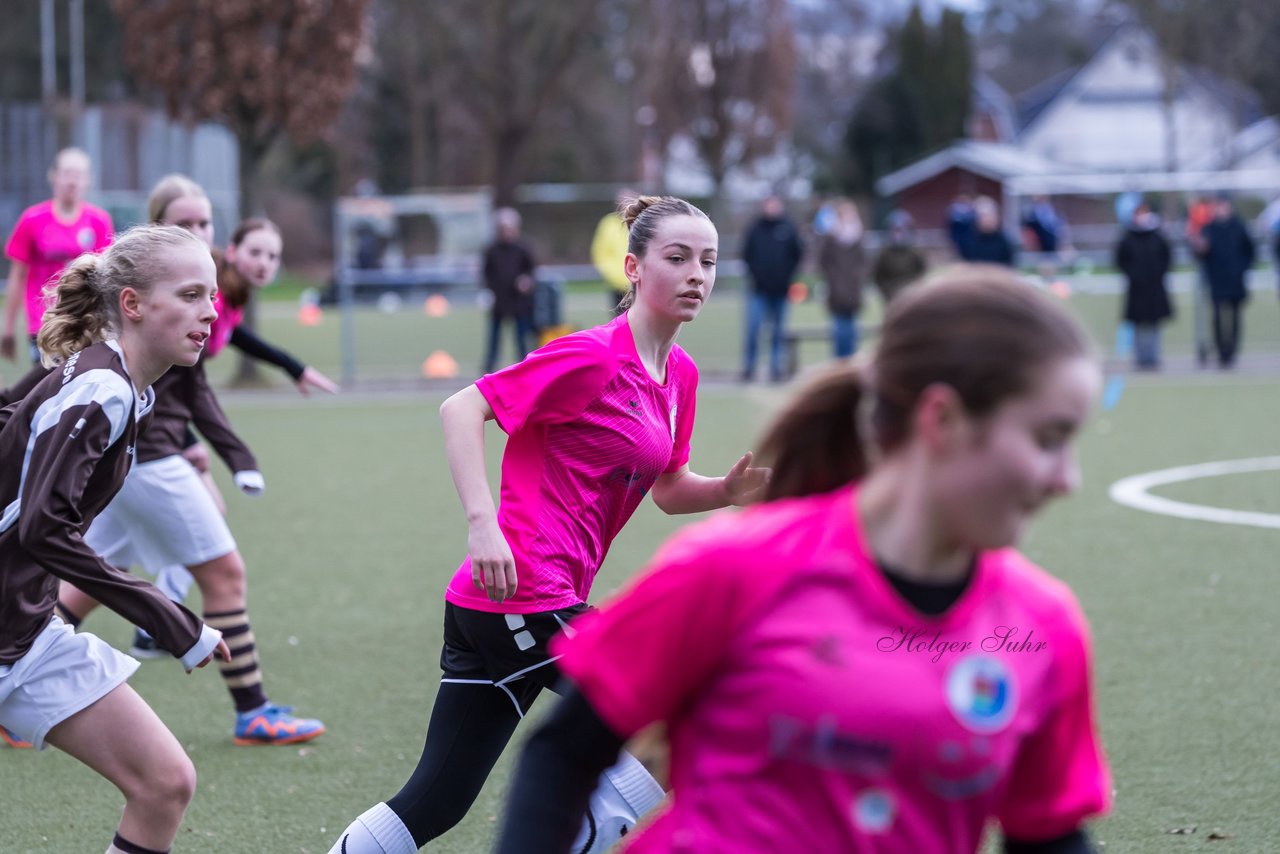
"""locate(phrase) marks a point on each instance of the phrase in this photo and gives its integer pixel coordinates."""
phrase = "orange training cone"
(310, 315)
(437, 305)
(439, 365)
(798, 292)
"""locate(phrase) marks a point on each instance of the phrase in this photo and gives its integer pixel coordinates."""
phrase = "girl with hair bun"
(863, 662)
(121, 320)
(594, 420)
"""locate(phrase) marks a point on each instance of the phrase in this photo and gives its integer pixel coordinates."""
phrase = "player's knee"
(224, 576)
(167, 786)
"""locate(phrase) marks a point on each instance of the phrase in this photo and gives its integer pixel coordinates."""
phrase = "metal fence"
(131, 147)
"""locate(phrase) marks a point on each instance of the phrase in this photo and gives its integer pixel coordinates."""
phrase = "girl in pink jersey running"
(862, 663)
(595, 420)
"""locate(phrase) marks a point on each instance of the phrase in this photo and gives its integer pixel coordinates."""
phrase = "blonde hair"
(169, 189)
(70, 151)
(84, 304)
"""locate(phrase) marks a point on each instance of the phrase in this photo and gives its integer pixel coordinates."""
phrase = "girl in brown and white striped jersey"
(121, 321)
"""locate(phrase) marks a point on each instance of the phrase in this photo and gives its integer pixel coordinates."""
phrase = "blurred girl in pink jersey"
(594, 420)
(46, 238)
(862, 663)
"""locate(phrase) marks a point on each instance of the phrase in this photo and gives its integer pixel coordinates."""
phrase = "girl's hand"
(493, 567)
(312, 377)
(198, 456)
(222, 651)
(745, 483)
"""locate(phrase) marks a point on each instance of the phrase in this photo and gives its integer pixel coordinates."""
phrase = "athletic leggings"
(495, 666)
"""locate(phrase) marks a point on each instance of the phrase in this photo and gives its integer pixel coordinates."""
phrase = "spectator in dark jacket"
(990, 243)
(962, 226)
(772, 253)
(1143, 256)
(899, 263)
(1227, 254)
(508, 274)
(843, 266)
(1043, 221)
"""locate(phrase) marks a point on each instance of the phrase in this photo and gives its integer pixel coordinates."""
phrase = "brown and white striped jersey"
(65, 450)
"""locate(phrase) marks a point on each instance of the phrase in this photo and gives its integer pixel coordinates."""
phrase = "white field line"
(1133, 492)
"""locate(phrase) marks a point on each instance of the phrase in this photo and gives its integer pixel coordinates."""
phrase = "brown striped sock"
(66, 616)
(241, 673)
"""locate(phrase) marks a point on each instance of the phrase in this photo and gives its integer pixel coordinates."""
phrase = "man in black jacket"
(772, 253)
(1227, 255)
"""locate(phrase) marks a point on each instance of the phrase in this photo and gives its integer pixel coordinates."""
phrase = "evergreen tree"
(919, 107)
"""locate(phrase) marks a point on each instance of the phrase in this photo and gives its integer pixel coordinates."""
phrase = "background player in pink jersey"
(595, 420)
(46, 238)
(862, 663)
(177, 200)
(121, 321)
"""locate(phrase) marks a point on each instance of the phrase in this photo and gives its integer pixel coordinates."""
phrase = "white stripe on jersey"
(112, 392)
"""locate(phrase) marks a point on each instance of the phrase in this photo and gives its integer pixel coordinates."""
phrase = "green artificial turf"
(359, 530)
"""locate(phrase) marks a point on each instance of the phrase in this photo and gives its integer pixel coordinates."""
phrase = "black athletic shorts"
(508, 651)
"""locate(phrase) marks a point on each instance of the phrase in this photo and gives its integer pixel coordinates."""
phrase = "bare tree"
(837, 44)
(723, 72)
(1236, 40)
(265, 70)
(505, 64)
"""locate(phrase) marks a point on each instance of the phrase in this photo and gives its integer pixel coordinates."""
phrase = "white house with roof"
(1103, 128)
(1112, 114)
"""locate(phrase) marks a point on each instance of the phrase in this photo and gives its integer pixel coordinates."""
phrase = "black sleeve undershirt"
(253, 346)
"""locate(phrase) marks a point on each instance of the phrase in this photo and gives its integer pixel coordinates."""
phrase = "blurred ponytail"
(816, 444)
(78, 315)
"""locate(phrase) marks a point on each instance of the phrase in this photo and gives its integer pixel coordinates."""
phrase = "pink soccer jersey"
(46, 245)
(810, 708)
(226, 322)
(589, 432)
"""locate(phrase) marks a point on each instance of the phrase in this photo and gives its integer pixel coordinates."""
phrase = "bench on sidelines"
(795, 335)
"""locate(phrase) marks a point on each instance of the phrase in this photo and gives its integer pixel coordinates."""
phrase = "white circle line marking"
(1132, 492)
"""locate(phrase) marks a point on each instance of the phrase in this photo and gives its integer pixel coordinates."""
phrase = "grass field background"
(351, 546)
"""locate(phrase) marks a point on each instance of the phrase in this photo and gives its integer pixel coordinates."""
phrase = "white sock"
(378, 830)
(623, 795)
(175, 582)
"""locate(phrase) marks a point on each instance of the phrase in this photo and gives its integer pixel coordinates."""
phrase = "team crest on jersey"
(673, 422)
(873, 811)
(981, 693)
(85, 238)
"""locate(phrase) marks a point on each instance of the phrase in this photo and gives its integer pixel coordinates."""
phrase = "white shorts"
(162, 516)
(64, 672)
